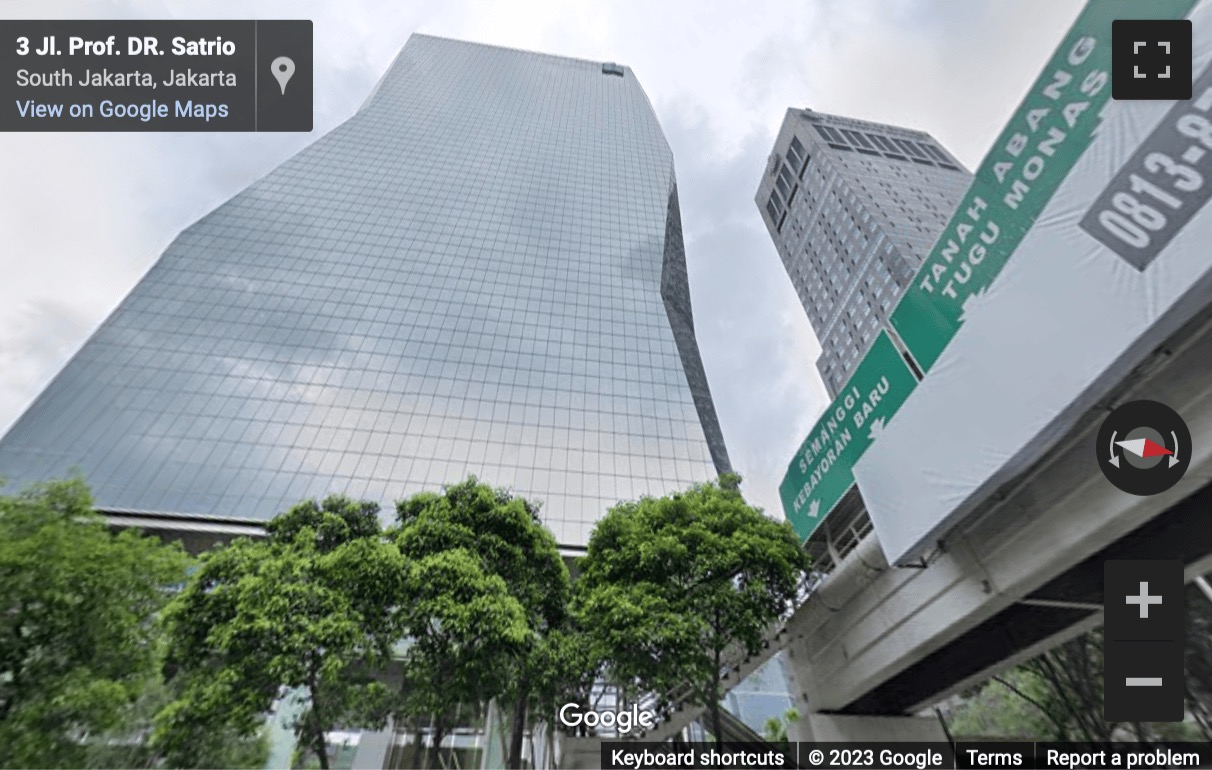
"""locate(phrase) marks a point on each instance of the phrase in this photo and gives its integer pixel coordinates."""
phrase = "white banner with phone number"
(1117, 262)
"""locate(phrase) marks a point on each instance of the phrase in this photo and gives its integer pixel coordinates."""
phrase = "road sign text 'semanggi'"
(834, 435)
(821, 472)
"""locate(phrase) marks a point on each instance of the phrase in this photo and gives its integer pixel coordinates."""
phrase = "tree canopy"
(489, 585)
(466, 598)
(669, 584)
(310, 608)
(78, 641)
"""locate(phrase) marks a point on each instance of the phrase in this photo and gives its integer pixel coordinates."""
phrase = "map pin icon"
(282, 67)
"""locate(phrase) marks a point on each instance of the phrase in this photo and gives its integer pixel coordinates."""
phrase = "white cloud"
(83, 216)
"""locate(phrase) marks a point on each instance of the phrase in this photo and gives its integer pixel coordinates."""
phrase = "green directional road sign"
(1039, 146)
(822, 470)
(1036, 150)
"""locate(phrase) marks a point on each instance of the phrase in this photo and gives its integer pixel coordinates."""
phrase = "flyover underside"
(1072, 600)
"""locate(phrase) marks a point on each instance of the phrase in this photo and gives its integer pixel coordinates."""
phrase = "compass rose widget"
(1143, 447)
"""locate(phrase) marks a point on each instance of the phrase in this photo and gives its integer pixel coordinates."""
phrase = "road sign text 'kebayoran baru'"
(821, 471)
(1037, 149)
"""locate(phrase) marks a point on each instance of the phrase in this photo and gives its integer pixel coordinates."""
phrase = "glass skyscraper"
(481, 271)
(854, 207)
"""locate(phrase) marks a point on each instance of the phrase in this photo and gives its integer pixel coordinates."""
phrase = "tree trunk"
(454, 722)
(715, 689)
(439, 734)
(319, 742)
(517, 733)
(321, 748)
(715, 724)
(1059, 686)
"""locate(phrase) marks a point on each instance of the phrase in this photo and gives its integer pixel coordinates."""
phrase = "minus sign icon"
(1144, 681)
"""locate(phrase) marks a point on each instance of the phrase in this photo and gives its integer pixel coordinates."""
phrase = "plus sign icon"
(1143, 600)
(1151, 59)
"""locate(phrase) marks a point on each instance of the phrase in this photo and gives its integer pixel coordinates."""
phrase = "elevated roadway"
(877, 643)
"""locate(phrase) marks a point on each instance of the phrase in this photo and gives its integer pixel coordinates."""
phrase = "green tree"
(490, 536)
(465, 627)
(670, 584)
(1062, 687)
(127, 746)
(776, 727)
(313, 607)
(565, 666)
(1012, 705)
(78, 641)
(1072, 675)
(335, 522)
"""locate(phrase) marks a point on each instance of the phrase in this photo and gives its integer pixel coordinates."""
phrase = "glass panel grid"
(481, 272)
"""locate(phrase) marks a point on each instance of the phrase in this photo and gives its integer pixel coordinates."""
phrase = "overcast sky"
(82, 216)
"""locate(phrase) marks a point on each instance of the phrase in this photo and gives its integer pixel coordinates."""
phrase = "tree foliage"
(78, 642)
(467, 596)
(564, 667)
(310, 608)
(127, 747)
(336, 521)
(775, 729)
(670, 584)
(502, 531)
(465, 628)
(1007, 706)
(489, 585)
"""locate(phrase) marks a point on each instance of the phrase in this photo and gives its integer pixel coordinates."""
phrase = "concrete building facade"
(853, 208)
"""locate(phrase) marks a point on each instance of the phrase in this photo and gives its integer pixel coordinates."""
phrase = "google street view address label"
(156, 75)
